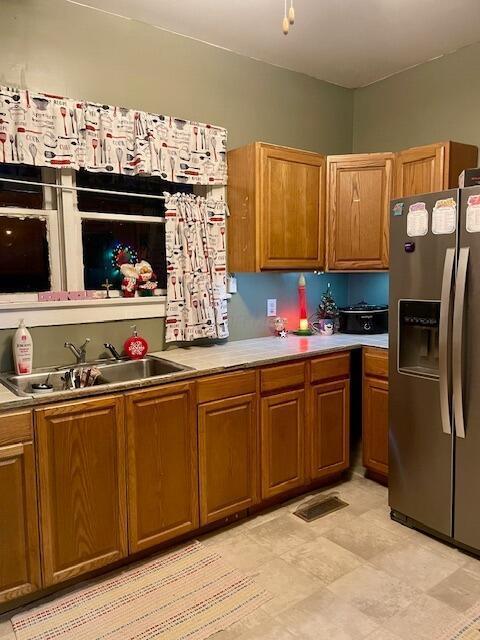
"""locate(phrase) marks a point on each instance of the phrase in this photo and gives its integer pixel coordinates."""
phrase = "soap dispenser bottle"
(22, 347)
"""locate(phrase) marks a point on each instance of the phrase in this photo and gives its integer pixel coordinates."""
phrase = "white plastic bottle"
(22, 350)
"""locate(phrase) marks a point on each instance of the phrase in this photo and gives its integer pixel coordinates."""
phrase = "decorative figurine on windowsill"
(139, 277)
(147, 280)
(129, 282)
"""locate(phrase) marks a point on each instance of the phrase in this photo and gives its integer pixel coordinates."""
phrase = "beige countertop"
(213, 359)
(260, 351)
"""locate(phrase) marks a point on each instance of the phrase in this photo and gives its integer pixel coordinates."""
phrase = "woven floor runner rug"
(190, 593)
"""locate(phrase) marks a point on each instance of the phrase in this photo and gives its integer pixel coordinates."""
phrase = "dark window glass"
(107, 203)
(24, 265)
(102, 238)
(17, 195)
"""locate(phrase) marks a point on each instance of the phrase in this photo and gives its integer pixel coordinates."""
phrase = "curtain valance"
(46, 130)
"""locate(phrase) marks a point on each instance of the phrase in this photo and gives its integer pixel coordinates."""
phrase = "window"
(24, 264)
(69, 239)
(29, 231)
(21, 195)
(101, 239)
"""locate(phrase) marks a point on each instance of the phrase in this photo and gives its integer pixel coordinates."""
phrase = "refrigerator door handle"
(443, 342)
(457, 341)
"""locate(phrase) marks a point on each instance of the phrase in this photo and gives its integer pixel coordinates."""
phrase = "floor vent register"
(320, 506)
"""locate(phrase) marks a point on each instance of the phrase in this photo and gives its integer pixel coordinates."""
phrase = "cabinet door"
(330, 428)
(227, 444)
(19, 544)
(282, 442)
(420, 170)
(359, 194)
(375, 425)
(162, 465)
(81, 465)
(292, 209)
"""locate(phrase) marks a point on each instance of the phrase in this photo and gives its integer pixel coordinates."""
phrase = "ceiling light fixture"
(288, 18)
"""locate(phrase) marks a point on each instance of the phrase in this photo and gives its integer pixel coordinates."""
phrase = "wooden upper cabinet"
(433, 167)
(276, 199)
(162, 464)
(359, 194)
(228, 463)
(81, 466)
(19, 541)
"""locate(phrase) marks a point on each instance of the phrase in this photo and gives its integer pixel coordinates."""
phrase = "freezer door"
(422, 266)
(466, 374)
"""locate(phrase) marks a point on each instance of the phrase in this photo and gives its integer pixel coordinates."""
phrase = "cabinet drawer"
(330, 367)
(375, 362)
(226, 386)
(282, 377)
(15, 426)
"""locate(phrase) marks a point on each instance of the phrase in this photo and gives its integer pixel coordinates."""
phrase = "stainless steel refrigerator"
(434, 414)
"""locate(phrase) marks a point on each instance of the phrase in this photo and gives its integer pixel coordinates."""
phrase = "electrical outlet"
(271, 307)
(231, 284)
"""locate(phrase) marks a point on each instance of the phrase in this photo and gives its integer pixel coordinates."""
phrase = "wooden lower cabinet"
(375, 411)
(162, 465)
(282, 431)
(82, 483)
(119, 474)
(329, 428)
(19, 543)
(375, 425)
(227, 447)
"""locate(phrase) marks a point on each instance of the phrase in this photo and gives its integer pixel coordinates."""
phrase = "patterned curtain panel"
(196, 271)
(51, 131)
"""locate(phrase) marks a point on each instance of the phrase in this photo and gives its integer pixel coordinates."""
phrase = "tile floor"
(351, 575)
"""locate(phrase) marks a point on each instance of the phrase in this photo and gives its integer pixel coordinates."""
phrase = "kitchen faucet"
(113, 351)
(79, 352)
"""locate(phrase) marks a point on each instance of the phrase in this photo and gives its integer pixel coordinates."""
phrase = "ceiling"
(351, 43)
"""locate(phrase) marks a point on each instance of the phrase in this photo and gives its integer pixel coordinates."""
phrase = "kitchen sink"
(111, 372)
(126, 370)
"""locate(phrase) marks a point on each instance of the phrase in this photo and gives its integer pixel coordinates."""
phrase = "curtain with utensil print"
(45, 130)
(196, 269)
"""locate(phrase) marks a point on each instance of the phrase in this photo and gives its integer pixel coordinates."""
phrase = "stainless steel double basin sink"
(111, 372)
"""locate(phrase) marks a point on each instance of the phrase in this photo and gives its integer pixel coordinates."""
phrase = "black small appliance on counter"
(363, 318)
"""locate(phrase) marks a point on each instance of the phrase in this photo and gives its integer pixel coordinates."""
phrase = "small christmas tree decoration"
(327, 307)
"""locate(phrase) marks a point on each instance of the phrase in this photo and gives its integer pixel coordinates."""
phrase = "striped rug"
(190, 593)
(468, 629)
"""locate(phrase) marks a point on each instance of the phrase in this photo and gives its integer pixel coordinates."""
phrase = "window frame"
(50, 213)
(72, 223)
(64, 229)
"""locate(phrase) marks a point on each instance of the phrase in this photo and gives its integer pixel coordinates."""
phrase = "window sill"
(45, 314)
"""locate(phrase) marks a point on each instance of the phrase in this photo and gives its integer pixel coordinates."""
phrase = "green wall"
(76, 51)
(248, 307)
(433, 102)
(68, 49)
